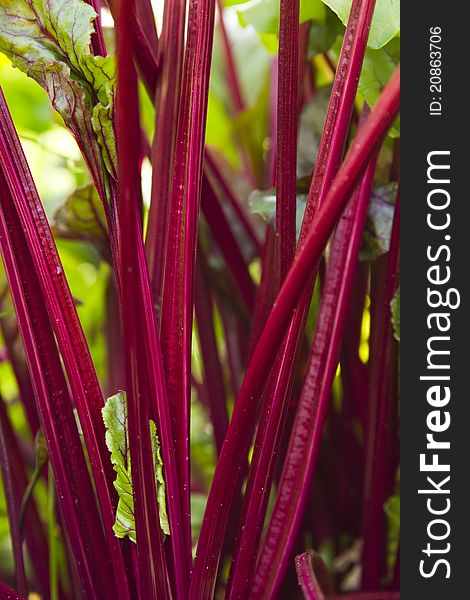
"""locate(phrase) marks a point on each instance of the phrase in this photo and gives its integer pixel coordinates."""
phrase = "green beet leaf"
(117, 441)
(50, 42)
(263, 15)
(385, 24)
(378, 229)
(81, 217)
(379, 66)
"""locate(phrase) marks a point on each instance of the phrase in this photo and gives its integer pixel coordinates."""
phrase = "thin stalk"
(114, 344)
(177, 307)
(232, 75)
(313, 576)
(167, 99)
(377, 450)
(145, 20)
(153, 574)
(230, 466)
(280, 384)
(271, 160)
(145, 43)
(67, 328)
(353, 370)
(13, 512)
(55, 407)
(52, 534)
(242, 213)
(36, 541)
(312, 411)
(15, 352)
(244, 557)
(304, 63)
(232, 345)
(238, 103)
(213, 375)
(288, 89)
(266, 289)
(40, 461)
(97, 39)
(227, 243)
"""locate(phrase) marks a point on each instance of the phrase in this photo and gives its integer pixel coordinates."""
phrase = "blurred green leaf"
(82, 217)
(312, 120)
(263, 203)
(263, 15)
(323, 35)
(378, 229)
(385, 23)
(88, 278)
(379, 66)
(203, 456)
(220, 130)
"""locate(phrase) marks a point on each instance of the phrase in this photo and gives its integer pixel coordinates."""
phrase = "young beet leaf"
(117, 440)
(50, 42)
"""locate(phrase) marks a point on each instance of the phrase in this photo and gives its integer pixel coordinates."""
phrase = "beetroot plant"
(199, 226)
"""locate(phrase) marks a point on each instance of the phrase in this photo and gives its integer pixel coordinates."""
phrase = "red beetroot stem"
(145, 42)
(227, 243)
(232, 345)
(75, 493)
(286, 192)
(313, 576)
(213, 374)
(13, 502)
(146, 45)
(234, 89)
(353, 370)
(242, 213)
(279, 388)
(34, 532)
(97, 39)
(267, 286)
(244, 557)
(167, 100)
(177, 306)
(66, 324)
(271, 160)
(15, 352)
(232, 76)
(230, 466)
(312, 411)
(377, 450)
(144, 373)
